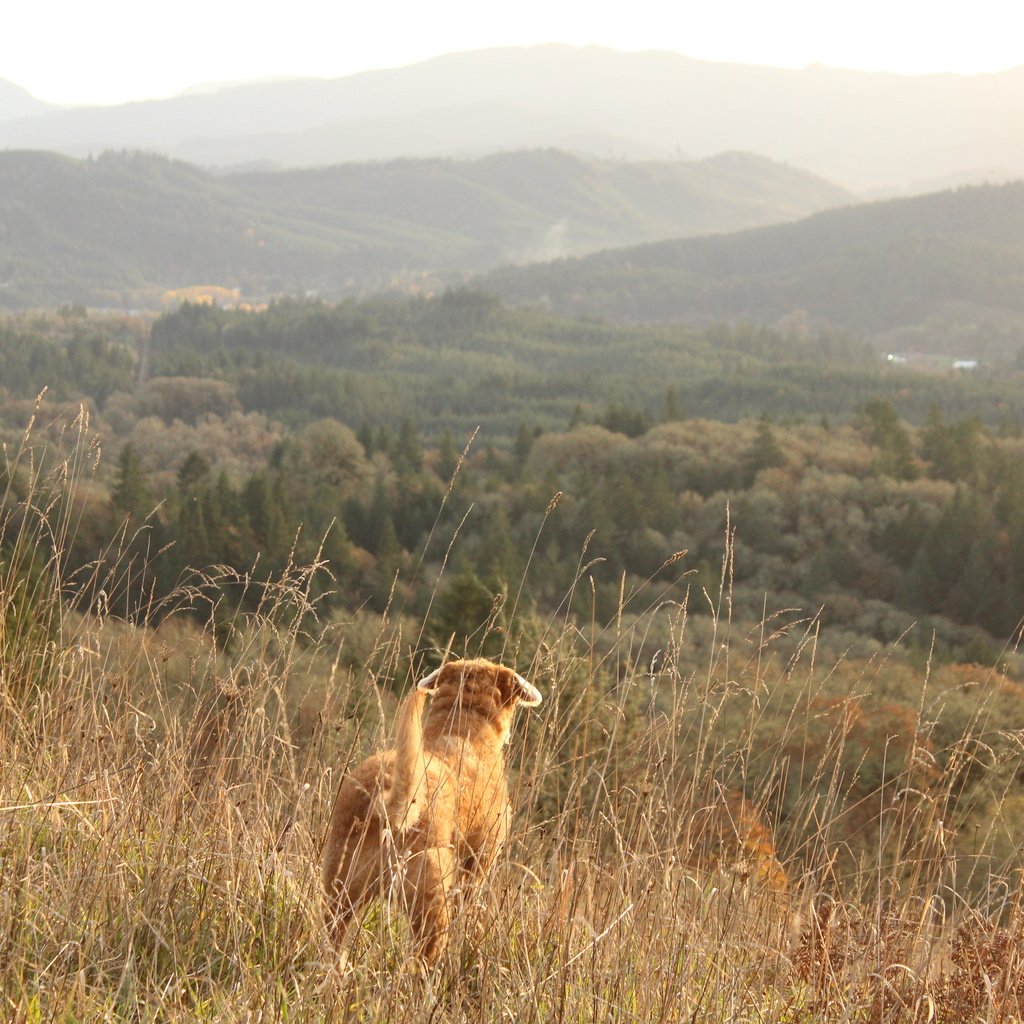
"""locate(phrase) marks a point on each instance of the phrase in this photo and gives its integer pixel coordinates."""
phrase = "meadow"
(165, 784)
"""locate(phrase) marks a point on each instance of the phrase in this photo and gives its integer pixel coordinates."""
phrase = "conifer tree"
(764, 452)
(408, 452)
(671, 409)
(447, 457)
(131, 494)
(896, 453)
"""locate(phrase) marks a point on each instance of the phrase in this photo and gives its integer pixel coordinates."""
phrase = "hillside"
(123, 228)
(941, 271)
(866, 131)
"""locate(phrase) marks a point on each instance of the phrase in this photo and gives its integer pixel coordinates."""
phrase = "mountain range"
(121, 229)
(866, 131)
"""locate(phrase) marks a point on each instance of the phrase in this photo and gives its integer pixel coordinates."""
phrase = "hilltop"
(121, 229)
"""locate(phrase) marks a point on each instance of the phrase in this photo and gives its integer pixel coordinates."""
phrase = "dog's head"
(481, 687)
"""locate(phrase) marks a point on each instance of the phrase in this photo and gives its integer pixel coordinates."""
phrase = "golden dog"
(407, 821)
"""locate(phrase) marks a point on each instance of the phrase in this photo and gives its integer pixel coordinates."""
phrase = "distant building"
(930, 362)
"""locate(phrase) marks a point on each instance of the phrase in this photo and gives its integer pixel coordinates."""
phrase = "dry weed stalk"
(163, 795)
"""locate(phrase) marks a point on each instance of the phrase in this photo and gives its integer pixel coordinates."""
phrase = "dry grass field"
(164, 794)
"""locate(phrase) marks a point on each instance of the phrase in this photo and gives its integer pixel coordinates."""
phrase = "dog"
(413, 820)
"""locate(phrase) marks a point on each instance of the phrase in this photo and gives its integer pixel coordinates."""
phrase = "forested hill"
(123, 228)
(942, 270)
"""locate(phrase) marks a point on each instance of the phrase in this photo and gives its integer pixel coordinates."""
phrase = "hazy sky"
(108, 51)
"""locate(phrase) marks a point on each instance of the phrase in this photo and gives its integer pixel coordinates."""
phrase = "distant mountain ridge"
(16, 102)
(942, 271)
(121, 229)
(864, 130)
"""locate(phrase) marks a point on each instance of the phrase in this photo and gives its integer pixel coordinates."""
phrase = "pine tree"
(131, 494)
(448, 456)
(408, 454)
(896, 453)
(365, 436)
(944, 553)
(521, 448)
(499, 560)
(194, 472)
(901, 538)
(765, 452)
(193, 543)
(671, 409)
(977, 594)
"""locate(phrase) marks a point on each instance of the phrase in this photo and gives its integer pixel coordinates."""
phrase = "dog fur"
(413, 820)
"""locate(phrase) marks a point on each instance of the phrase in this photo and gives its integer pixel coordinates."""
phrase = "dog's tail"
(403, 802)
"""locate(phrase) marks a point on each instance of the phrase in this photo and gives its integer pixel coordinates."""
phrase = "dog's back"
(438, 800)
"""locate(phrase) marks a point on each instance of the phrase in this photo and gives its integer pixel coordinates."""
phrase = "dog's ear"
(524, 691)
(429, 683)
(531, 696)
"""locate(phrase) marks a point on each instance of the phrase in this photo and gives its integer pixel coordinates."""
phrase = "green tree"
(895, 452)
(764, 452)
(193, 474)
(132, 495)
(468, 615)
(671, 409)
(499, 559)
(523, 445)
(447, 456)
(953, 450)
(946, 551)
(408, 450)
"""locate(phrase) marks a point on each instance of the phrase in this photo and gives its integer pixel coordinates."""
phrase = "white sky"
(110, 51)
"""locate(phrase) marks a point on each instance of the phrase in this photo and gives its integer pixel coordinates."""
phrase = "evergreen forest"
(877, 499)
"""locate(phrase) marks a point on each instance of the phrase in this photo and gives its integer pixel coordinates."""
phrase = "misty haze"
(692, 392)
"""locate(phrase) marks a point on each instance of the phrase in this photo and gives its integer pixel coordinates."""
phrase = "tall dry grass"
(163, 798)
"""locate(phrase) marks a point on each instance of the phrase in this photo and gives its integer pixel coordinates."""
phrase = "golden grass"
(163, 800)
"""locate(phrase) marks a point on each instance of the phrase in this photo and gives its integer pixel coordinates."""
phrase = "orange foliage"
(203, 294)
